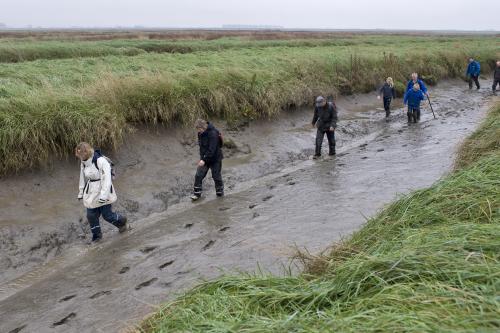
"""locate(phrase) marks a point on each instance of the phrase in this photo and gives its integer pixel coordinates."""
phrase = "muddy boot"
(123, 225)
(316, 156)
(96, 237)
(219, 193)
(195, 196)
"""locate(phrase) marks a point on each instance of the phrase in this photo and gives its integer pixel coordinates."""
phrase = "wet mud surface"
(277, 199)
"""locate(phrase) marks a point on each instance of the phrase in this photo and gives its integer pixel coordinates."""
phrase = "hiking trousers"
(330, 135)
(201, 173)
(108, 215)
(413, 114)
(494, 86)
(474, 78)
(387, 106)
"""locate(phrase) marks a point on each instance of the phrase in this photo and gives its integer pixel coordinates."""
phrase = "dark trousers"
(413, 114)
(495, 83)
(107, 213)
(474, 78)
(387, 106)
(201, 173)
(330, 135)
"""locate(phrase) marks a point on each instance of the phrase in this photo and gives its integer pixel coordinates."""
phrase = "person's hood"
(210, 127)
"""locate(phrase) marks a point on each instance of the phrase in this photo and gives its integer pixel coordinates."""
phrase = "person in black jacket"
(210, 142)
(388, 93)
(325, 120)
(496, 78)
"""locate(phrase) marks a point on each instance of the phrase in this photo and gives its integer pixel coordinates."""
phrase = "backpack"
(221, 139)
(97, 154)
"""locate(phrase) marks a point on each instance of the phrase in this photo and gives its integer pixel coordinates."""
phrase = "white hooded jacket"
(95, 183)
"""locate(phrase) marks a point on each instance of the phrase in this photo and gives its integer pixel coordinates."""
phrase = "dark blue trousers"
(107, 213)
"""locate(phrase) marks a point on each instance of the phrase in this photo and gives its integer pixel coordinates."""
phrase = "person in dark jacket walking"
(414, 80)
(210, 142)
(325, 120)
(496, 78)
(413, 98)
(473, 71)
(388, 93)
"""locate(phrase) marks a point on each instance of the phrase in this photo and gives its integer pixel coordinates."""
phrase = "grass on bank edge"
(41, 121)
(430, 262)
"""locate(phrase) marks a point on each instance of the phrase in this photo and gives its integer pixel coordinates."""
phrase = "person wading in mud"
(325, 120)
(496, 78)
(414, 80)
(473, 71)
(413, 97)
(210, 142)
(388, 93)
(97, 191)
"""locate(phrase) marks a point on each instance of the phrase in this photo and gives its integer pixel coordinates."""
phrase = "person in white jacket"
(97, 191)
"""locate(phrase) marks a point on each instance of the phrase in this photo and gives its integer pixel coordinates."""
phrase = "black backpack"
(97, 154)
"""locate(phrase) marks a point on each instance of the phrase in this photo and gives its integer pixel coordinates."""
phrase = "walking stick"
(430, 104)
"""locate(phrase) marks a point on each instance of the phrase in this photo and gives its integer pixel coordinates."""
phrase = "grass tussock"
(429, 262)
(48, 106)
(486, 140)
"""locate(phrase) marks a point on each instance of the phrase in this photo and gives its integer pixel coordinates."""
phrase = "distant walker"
(210, 142)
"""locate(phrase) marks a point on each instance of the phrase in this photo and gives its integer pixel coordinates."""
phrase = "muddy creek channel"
(277, 198)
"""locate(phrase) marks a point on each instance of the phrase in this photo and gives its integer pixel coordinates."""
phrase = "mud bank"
(41, 218)
(304, 204)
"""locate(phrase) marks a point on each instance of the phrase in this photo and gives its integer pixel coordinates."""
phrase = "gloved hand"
(79, 197)
(101, 200)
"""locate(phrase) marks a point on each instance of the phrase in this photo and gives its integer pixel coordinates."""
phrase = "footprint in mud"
(165, 284)
(363, 145)
(223, 209)
(67, 298)
(255, 215)
(145, 283)
(340, 164)
(364, 157)
(208, 245)
(64, 320)
(224, 229)
(381, 149)
(405, 145)
(18, 329)
(400, 131)
(164, 265)
(188, 226)
(252, 206)
(185, 272)
(148, 249)
(267, 198)
(100, 293)
(291, 183)
(124, 270)
(271, 187)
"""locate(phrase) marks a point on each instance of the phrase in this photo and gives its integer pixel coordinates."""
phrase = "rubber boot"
(123, 225)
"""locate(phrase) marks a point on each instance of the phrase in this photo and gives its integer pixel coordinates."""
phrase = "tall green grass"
(48, 106)
(429, 262)
(483, 142)
(21, 50)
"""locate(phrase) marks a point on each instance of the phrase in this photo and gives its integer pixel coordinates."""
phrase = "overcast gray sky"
(348, 14)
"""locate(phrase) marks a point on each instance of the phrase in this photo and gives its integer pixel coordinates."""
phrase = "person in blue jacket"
(413, 97)
(473, 71)
(414, 80)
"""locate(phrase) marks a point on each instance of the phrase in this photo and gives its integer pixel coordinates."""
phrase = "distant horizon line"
(236, 27)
